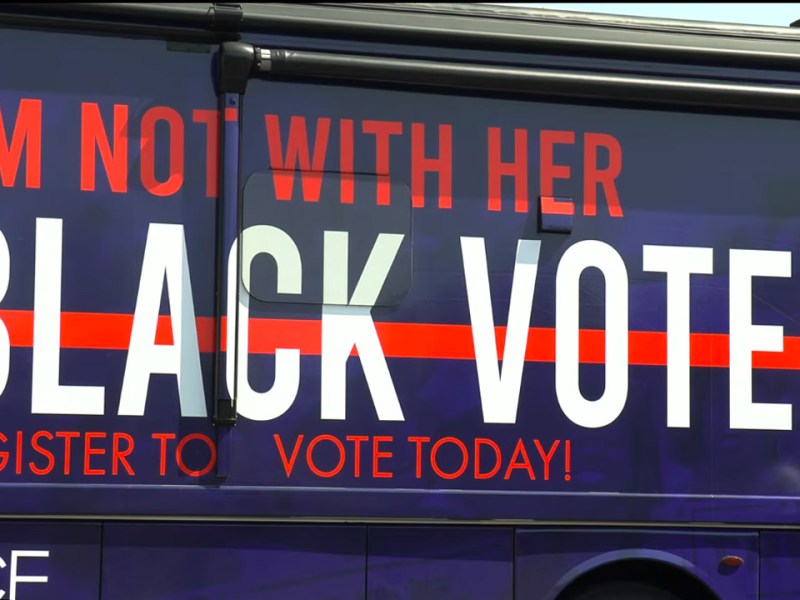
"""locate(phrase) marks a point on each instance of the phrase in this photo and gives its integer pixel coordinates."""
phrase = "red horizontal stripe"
(105, 331)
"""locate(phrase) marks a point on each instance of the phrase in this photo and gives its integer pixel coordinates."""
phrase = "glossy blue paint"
(430, 563)
(194, 561)
(780, 564)
(45, 560)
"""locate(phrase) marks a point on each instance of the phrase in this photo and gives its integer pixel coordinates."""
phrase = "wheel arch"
(655, 567)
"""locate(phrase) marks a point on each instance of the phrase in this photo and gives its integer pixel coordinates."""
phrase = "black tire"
(622, 590)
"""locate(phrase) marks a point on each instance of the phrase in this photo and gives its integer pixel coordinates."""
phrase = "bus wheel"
(621, 590)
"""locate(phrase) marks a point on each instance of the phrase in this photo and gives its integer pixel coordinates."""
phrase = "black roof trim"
(574, 17)
(473, 26)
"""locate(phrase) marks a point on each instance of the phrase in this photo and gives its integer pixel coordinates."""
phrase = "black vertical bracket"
(235, 62)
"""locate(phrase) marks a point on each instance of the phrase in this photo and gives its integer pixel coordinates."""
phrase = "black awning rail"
(542, 83)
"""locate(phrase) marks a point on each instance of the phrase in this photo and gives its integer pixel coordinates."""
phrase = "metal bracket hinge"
(224, 412)
(236, 63)
(226, 15)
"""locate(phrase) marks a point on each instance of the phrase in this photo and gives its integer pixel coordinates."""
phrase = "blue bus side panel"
(182, 562)
(780, 565)
(431, 563)
(716, 181)
(45, 560)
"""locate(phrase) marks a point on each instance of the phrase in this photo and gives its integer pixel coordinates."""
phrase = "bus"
(397, 302)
